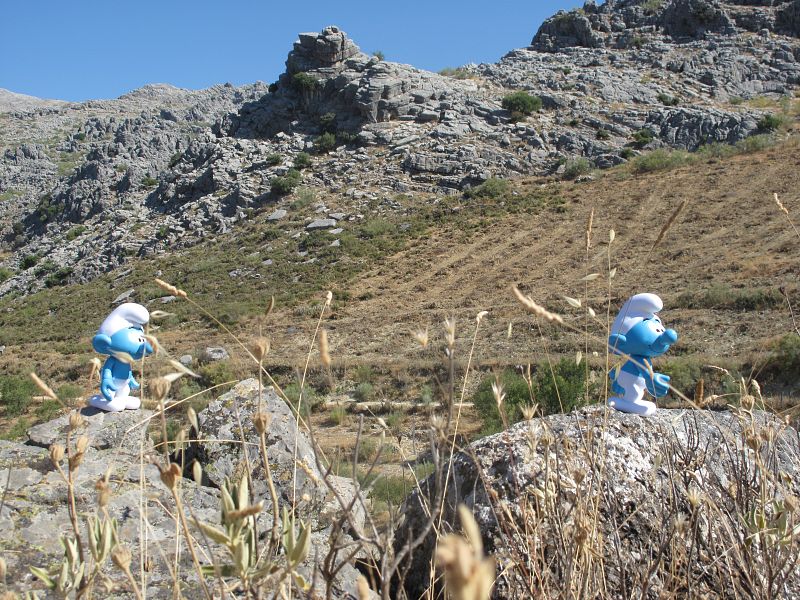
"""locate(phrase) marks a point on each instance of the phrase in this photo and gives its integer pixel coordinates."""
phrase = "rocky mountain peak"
(325, 50)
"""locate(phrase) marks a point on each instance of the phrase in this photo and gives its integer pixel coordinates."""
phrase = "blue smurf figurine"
(639, 333)
(121, 332)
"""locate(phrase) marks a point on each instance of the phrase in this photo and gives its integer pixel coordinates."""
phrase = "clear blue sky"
(82, 49)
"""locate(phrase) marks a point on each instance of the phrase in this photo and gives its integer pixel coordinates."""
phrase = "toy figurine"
(121, 332)
(638, 333)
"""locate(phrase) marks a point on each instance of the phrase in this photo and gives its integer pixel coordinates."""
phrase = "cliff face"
(91, 185)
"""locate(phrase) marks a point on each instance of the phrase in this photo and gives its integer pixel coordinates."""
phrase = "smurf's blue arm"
(107, 387)
(657, 384)
(132, 382)
(616, 388)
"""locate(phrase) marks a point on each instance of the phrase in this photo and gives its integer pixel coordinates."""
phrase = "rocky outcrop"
(35, 510)
(615, 487)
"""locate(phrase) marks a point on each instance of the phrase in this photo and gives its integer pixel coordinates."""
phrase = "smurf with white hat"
(639, 333)
(121, 333)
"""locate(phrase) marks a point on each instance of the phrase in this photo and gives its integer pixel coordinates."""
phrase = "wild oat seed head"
(324, 354)
(328, 298)
(166, 286)
(450, 331)
(481, 315)
(611, 235)
(260, 348)
(363, 588)
(422, 337)
(43, 386)
(780, 204)
(509, 331)
(159, 387)
(694, 497)
(192, 416)
(498, 393)
(197, 472)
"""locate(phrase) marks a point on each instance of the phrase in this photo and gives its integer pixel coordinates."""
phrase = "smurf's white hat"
(636, 308)
(125, 315)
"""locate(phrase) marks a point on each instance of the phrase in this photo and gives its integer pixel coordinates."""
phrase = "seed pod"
(75, 420)
(261, 422)
(56, 453)
(121, 557)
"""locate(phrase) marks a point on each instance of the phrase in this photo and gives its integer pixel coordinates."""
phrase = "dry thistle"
(324, 355)
(260, 349)
(56, 454)
(261, 421)
(170, 476)
(43, 386)
(422, 337)
(468, 574)
(75, 420)
(121, 557)
(536, 309)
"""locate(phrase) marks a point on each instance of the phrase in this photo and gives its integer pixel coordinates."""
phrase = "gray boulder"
(695, 18)
(628, 496)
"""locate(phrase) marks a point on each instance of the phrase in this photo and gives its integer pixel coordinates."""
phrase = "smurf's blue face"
(132, 342)
(647, 338)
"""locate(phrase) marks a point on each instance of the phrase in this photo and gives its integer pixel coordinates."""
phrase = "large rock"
(695, 18)
(105, 429)
(654, 488)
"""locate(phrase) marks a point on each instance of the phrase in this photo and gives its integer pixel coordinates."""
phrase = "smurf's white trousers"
(122, 398)
(632, 400)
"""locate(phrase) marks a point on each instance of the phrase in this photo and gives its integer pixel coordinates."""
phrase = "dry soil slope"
(731, 232)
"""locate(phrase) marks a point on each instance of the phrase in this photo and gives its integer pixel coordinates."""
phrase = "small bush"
(305, 197)
(273, 160)
(149, 182)
(325, 143)
(367, 450)
(563, 389)
(216, 373)
(379, 55)
(16, 393)
(304, 83)
(755, 143)
(643, 137)
(577, 167)
(602, 134)
(327, 122)
(517, 396)
(5, 273)
(363, 374)
(723, 296)
(627, 153)
(286, 183)
(521, 104)
(69, 392)
(310, 401)
(302, 160)
(58, 277)
(75, 232)
(668, 100)
(770, 122)
(661, 159)
(338, 415)
(458, 73)
(493, 188)
(48, 209)
(426, 394)
(175, 159)
(716, 150)
(364, 392)
(28, 261)
(783, 362)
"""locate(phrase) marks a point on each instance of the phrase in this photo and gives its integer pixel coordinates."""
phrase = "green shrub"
(363, 374)
(216, 373)
(576, 167)
(684, 373)
(643, 137)
(16, 393)
(783, 361)
(426, 394)
(521, 104)
(661, 159)
(327, 122)
(28, 261)
(457, 73)
(273, 160)
(69, 392)
(379, 55)
(338, 415)
(47, 209)
(305, 197)
(755, 143)
(770, 122)
(303, 82)
(668, 100)
(75, 232)
(627, 153)
(563, 389)
(493, 188)
(5, 273)
(723, 296)
(149, 182)
(517, 395)
(367, 450)
(302, 160)
(364, 392)
(310, 401)
(716, 150)
(286, 183)
(325, 143)
(602, 134)
(58, 277)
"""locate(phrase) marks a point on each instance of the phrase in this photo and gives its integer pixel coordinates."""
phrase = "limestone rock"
(105, 429)
(643, 472)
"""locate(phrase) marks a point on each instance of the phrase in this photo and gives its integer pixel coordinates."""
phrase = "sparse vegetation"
(5, 273)
(302, 160)
(643, 137)
(75, 232)
(304, 83)
(668, 100)
(723, 296)
(577, 167)
(455, 73)
(16, 393)
(659, 160)
(379, 55)
(771, 122)
(149, 182)
(492, 188)
(285, 184)
(325, 143)
(273, 160)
